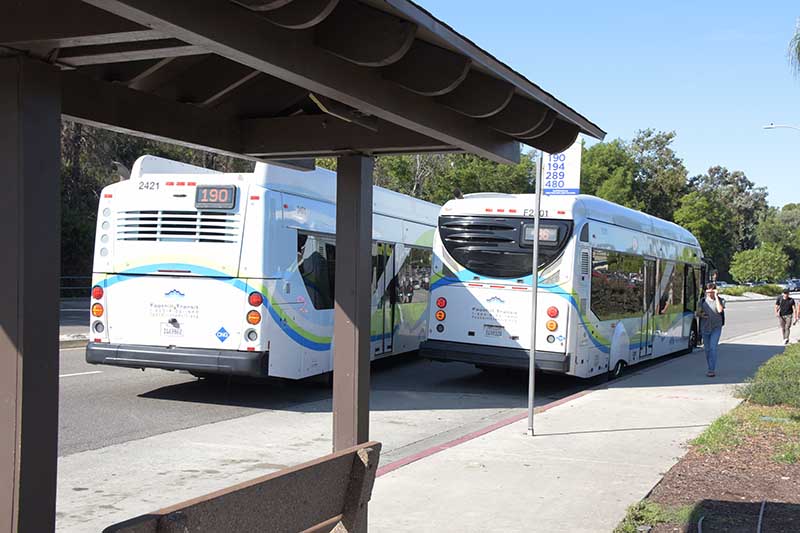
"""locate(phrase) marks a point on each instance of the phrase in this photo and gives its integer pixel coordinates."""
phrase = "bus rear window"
(500, 247)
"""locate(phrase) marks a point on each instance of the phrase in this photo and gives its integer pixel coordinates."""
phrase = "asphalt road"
(102, 405)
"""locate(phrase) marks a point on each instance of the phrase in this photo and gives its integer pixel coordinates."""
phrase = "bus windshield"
(500, 247)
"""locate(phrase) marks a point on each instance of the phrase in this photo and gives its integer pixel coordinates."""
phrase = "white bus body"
(616, 286)
(175, 281)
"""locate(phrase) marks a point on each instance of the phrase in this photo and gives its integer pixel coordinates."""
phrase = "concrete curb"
(73, 341)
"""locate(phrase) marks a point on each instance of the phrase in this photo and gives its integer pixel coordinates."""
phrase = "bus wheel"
(616, 372)
(693, 338)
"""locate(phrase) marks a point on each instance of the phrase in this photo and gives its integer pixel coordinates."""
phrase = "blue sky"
(713, 71)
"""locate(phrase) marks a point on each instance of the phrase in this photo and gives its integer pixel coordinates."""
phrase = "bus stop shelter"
(279, 80)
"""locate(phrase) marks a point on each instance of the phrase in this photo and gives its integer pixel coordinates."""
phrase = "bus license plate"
(493, 331)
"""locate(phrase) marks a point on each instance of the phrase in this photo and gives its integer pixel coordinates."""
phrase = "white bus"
(616, 286)
(234, 273)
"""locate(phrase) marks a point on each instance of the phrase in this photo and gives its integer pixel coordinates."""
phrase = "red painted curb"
(391, 467)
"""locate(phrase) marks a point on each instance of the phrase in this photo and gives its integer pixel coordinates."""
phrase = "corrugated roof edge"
(423, 17)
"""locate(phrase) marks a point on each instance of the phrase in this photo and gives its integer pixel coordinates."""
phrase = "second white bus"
(616, 286)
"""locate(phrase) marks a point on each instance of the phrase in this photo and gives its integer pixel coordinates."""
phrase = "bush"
(739, 290)
(777, 382)
(766, 290)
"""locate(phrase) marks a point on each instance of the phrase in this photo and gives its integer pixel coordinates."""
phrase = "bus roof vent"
(178, 226)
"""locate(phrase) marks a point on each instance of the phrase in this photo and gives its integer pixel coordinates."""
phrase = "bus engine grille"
(178, 226)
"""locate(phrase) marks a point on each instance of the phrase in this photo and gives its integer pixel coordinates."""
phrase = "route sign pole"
(561, 177)
(534, 293)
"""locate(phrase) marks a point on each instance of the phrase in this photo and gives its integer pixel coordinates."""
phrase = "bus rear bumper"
(197, 360)
(493, 356)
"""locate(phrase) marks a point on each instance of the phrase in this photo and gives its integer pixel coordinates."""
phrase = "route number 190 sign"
(561, 172)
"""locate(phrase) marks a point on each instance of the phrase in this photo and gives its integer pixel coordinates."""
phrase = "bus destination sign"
(215, 197)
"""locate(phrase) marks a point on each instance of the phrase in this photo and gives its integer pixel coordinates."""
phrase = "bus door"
(388, 298)
(648, 319)
(381, 310)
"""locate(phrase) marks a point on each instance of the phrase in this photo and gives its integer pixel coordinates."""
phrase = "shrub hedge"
(777, 382)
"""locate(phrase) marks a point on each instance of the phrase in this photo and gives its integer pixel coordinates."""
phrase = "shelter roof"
(285, 79)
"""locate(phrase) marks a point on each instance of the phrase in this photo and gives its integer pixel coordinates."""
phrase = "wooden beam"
(162, 72)
(520, 117)
(479, 95)
(125, 52)
(429, 70)
(364, 35)
(64, 23)
(263, 5)
(119, 108)
(233, 32)
(559, 138)
(30, 166)
(325, 135)
(541, 129)
(301, 14)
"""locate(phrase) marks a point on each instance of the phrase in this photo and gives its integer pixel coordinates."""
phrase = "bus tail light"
(551, 325)
(97, 310)
(441, 303)
(552, 312)
(97, 292)
(255, 299)
(440, 315)
(254, 317)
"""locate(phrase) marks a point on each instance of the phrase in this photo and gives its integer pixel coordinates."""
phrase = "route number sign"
(561, 172)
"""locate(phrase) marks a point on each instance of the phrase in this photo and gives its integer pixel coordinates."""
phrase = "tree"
(607, 171)
(410, 174)
(708, 219)
(470, 173)
(659, 179)
(748, 203)
(794, 50)
(768, 262)
(782, 227)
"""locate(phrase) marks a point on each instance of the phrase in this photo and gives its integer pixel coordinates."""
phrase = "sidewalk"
(592, 457)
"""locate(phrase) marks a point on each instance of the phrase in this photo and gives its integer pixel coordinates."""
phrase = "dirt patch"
(725, 479)
(728, 489)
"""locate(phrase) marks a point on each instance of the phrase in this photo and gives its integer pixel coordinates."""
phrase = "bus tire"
(693, 338)
(616, 372)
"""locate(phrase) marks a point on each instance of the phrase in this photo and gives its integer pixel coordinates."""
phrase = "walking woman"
(711, 317)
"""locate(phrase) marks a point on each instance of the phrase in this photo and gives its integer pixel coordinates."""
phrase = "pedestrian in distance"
(787, 311)
(711, 314)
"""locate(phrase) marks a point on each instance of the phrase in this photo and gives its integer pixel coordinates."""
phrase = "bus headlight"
(551, 325)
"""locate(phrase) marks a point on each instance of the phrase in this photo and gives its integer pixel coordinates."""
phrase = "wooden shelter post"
(30, 122)
(351, 334)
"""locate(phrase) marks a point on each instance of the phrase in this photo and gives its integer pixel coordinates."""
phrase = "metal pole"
(534, 293)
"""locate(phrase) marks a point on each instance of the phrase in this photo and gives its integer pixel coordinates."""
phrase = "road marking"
(81, 374)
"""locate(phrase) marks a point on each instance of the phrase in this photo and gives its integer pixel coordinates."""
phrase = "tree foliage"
(768, 263)
(659, 179)
(782, 228)
(709, 220)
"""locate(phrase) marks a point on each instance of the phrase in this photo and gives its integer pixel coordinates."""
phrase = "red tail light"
(552, 312)
(255, 299)
(441, 303)
(97, 292)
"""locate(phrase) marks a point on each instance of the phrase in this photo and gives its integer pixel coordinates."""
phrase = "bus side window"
(316, 262)
(691, 290)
